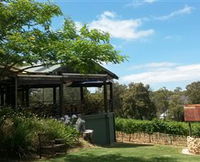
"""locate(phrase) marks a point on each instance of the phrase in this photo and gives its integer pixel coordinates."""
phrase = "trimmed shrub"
(130, 126)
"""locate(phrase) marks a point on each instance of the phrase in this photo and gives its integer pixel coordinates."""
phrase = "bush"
(19, 132)
(130, 126)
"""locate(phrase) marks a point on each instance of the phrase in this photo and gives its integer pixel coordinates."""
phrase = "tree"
(161, 99)
(193, 92)
(92, 99)
(137, 103)
(26, 38)
(118, 90)
(176, 104)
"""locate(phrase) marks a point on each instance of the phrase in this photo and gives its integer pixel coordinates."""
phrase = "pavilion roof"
(60, 70)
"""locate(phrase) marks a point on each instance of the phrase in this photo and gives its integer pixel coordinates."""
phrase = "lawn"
(129, 153)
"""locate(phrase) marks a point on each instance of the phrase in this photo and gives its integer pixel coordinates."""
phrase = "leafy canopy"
(27, 38)
(193, 92)
(136, 102)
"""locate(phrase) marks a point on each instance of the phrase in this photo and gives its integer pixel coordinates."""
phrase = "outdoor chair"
(87, 135)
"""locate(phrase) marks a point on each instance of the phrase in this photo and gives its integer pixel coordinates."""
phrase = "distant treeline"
(139, 101)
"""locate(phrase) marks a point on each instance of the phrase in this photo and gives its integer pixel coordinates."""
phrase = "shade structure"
(56, 77)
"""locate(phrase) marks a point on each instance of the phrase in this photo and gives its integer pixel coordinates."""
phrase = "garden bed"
(19, 133)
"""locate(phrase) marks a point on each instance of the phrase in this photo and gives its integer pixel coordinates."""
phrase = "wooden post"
(7, 96)
(54, 101)
(61, 99)
(105, 96)
(54, 96)
(81, 95)
(190, 129)
(82, 99)
(111, 97)
(27, 97)
(43, 96)
(23, 96)
(16, 90)
(111, 109)
(2, 96)
(106, 110)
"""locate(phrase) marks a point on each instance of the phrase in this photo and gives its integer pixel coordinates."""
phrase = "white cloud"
(185, 10)
(154, 65)
(124, 29)
(165, 73)
(136, 3)
(161, 64)
(108, 14)
(79, 25)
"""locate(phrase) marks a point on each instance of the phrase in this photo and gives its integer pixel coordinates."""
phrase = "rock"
(193, 145)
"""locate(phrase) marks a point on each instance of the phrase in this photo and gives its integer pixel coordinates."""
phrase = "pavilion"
(15, 91)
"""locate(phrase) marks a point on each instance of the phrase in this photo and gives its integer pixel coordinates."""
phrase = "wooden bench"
(50, 146)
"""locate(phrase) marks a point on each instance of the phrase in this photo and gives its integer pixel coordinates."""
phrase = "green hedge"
(130, 126)
(19, 132)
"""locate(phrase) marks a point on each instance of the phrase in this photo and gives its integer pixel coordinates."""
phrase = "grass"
(124, 152)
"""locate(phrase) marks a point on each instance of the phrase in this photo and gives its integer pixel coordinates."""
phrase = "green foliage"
(133, 126)
(118, 90)
(26, 38)
(170, 103)
(140, 102)
(193, 92)
(161, 99)
(176, 105)
(92, 99)
(136, 102)
(196, 131)
(145, 126)
(19, 132)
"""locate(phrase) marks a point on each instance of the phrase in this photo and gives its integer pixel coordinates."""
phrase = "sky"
(160, 37)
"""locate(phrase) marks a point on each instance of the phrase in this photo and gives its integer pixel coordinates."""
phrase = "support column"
(61, 111)
(54, 108)
(106, 111)
(54, 96)
(111, 109)
(27, 97)
(7, 96)
(82, 96)
(23, 97)
(16, 92)
(111, 97)
(82, 99)
(2, 96)
(105, 96)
